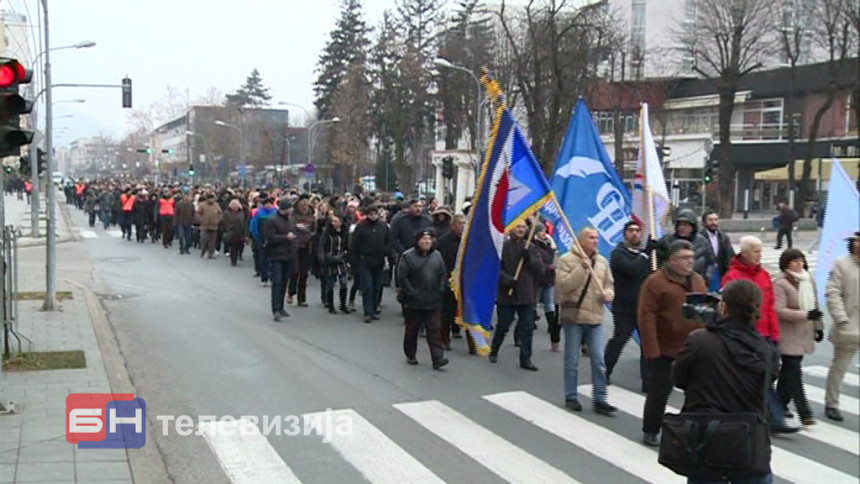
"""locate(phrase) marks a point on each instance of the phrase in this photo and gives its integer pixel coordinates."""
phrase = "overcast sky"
(194, 44)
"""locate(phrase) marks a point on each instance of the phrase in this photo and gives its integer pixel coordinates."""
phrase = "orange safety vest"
(28, 187)
(165, 207)
(79, 189)
(127, 202)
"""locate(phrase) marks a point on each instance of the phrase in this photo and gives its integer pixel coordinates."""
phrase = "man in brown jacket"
(663, 329)
(209, 216)
(183, 220)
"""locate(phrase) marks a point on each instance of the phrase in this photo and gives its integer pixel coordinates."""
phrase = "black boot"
(342, 294)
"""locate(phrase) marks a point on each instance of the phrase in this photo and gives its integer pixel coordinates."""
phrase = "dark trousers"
(280, 278)
(299, 277)
(780, 234)
(125, 224)
(371, 288)
(790, 385)
(624, 324)
(92, 220)
(659, 389)
(140, 232)
(449, 314)
(525, 314)
(104, 214)
(166, 230)
(353, 290)
(328, 283)
(554, 327)
(183, 233)
(416, 319)
(234, 246)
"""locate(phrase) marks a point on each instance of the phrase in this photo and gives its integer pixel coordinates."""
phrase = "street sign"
(309, 168)
(242, 170)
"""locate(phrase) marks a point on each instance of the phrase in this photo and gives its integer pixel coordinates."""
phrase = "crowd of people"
(360, 244)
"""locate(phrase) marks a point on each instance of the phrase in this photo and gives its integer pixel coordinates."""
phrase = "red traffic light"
(13, 72)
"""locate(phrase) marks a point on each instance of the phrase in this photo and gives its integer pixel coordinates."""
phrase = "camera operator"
(663, 328)
(722, 369)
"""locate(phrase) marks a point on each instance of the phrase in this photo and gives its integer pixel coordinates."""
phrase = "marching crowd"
(360, 244)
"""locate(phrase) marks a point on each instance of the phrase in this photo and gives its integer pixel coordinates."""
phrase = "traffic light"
(12, 106)
(712, 166)
(448, 167)
(42, 161)
(191, 170)
(169, 151)
(148, 151)
(126, 92)
(24, 165)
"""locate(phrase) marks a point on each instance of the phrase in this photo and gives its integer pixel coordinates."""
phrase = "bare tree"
(834, 30)
(728, 40)
(792, 25)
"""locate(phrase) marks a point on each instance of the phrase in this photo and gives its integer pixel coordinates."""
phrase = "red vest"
(127, 202)
(165, 207)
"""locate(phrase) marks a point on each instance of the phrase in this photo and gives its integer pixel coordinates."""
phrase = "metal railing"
(10, 292)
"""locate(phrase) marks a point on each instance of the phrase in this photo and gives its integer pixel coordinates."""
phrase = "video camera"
(702, 306)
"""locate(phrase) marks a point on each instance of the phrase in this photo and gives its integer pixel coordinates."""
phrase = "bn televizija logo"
(105, 420)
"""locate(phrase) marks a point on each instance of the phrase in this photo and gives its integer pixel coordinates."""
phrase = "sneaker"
(573, 405)
(604, 408)
(782, 428)
(439, 364)
(283, 313)
(264, 284)
(528, 365)
(412, 361)
(651, 439)
(276, 316)
(302, 304)
(833, 413)
(553, 347)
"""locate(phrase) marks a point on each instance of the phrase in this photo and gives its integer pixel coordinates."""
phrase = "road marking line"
(244, 453)
(370, 451)
(501, 457)
(115, 233)
(846, 404)
(594, 439)
(821, 372)
(88, 234)
(783, 463)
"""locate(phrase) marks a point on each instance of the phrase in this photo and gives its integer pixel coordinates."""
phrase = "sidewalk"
(18, 214)
(33, 445)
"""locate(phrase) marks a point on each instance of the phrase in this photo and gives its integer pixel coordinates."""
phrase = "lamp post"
(241, 144)
(205, 149)
(34, 173)
(310, 135)
(446, 64)
(287, 103)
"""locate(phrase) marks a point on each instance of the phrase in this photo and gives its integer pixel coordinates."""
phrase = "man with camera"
(664, 328)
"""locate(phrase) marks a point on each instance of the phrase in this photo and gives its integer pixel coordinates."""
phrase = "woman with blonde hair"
(234, 221)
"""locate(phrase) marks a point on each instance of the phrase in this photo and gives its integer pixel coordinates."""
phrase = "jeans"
(525, 328)
(760, 479)
(545, 297)
(371, 289)
(790, 385)
(659, 389)
(280, 279)
(592, 335)
(623, 328)
(104, 214)
(183, 233)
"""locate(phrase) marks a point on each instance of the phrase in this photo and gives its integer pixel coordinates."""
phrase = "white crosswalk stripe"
(821, 372)
(244, 453)
(493, 452)
(115, 233)
(846, 404)
(626, 454)
(88, 234)
(363, 446)
(785, 464)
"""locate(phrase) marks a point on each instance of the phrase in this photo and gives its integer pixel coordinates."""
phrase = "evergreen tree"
(253, 93)
(348, 45)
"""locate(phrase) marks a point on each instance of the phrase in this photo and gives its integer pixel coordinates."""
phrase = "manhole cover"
(118, 260)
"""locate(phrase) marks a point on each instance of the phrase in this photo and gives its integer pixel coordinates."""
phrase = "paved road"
(198, 340)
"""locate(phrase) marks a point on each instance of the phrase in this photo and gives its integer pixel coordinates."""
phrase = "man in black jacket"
(713, 251)
(404, 228)
(517, 294)
(369, 246)
(422, 280)
(449, 245)
(686, 228)
(630, 267)
(278, 236)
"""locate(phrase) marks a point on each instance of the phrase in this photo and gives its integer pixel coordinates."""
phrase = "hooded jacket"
(768, 324)
(722, 369)
(663, 244)
(441, 221)
(257, 221)
(370, 243)
(629, 268)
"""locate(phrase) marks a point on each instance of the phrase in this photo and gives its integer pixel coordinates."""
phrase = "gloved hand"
(819, 335)
(814, 315)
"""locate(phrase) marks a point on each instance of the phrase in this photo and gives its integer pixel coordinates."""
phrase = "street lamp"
(310, 136)
(287, 103)
(446, 64)
(79, 101)
(218, 122)
(205, 149)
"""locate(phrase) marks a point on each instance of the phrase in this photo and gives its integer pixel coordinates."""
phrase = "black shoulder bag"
(717, 446)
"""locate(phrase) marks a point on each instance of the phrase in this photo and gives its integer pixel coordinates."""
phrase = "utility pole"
(51, 198)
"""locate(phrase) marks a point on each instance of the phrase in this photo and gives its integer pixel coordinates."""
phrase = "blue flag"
(511, 187)
(587, 187)
(841, 219)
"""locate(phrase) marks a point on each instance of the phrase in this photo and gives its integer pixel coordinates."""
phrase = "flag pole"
(575, 238)
(642, 156)
(520, 263)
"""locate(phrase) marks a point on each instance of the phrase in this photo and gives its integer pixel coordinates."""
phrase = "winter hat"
(285, 204)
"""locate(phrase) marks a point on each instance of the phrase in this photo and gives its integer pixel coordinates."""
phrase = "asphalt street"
(198, 339)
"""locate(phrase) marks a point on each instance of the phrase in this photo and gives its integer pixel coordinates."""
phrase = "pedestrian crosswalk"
(770, 259)
(511, 457)
(86, 233)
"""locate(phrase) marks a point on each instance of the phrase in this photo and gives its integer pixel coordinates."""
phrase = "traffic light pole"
(51, 196)
(34, 183)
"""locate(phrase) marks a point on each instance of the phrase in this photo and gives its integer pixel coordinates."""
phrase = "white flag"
(649, 178)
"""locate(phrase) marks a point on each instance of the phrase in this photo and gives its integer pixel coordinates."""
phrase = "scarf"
(674, 276)
(806, 295)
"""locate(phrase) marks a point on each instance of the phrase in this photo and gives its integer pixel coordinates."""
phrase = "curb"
(69, 237)
(146, 464)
